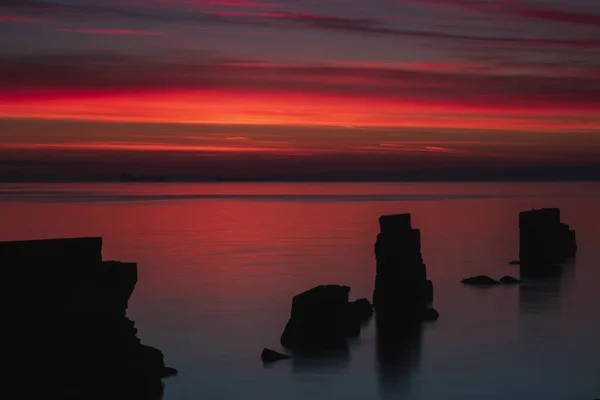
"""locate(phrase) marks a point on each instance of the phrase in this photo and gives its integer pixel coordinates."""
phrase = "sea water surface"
(219, 264)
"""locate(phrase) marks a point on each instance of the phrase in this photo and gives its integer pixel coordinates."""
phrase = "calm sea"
(219, 264)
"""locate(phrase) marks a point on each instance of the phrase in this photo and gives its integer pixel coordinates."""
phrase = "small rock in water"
(515, 262)
(508, 280)
(480, 280)
(168, 371)
(430, 314)
(269, 355)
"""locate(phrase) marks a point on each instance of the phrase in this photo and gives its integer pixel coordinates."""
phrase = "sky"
(202, 88)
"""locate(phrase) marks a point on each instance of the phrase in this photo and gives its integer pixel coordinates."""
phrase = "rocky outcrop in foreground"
(402, 290)
(69, 322)
(544, 241)
(322, 319)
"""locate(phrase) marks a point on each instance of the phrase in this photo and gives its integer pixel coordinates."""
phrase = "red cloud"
(12, 18)
(240, 3)
(520, 10)
(112, 31)
(560, 16)
(213, 91)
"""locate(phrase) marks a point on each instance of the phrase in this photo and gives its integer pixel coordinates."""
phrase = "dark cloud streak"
(362, 26)
(521, 9)
(560, 16)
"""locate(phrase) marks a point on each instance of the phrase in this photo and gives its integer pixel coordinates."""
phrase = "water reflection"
(541, 293)
(398, 352)
(217, 278)
(541, 300)
(331, 362)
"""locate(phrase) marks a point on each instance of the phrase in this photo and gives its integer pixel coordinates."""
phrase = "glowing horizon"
(321, 79)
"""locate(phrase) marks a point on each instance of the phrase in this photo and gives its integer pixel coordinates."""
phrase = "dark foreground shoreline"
(69, 323)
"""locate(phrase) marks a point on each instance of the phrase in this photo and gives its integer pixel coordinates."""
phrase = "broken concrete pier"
(544, 241)
(402, 290)
(67, 316)
(322, 319)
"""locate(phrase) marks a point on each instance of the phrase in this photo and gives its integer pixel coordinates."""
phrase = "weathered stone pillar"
(401, 284)
(544, 241)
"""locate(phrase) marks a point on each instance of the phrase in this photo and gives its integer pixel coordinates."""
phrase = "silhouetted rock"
(394, 224)
(269, 356)
(543, 240)
(77, 304)
(514, 262)
(358, 314)
(361, 309)
(322, 319)
(480, 280)
(51, 269)
(430, 314)
(318, 319)
(402, 289)
(101, 356)
(427, 291)
(509, 280)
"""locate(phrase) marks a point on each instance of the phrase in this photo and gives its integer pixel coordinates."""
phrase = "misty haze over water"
(220, 262)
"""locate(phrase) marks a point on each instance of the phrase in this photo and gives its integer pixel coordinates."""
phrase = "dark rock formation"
(430, 314)
(361, 309)
(269, 356)
(401, 299)
(480, 280)
(483, 280)
(509, 280)
(514, 262)
(317, 319)
(101, 356)
(70, 321)
(543, 240)
(358, 313)
(401, 286)
(322, 319)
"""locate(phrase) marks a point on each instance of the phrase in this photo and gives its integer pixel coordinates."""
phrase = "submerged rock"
(509, 280)
(430, 314)
(483, 280)
(269, 356)
(480, 280)
(169, 371)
